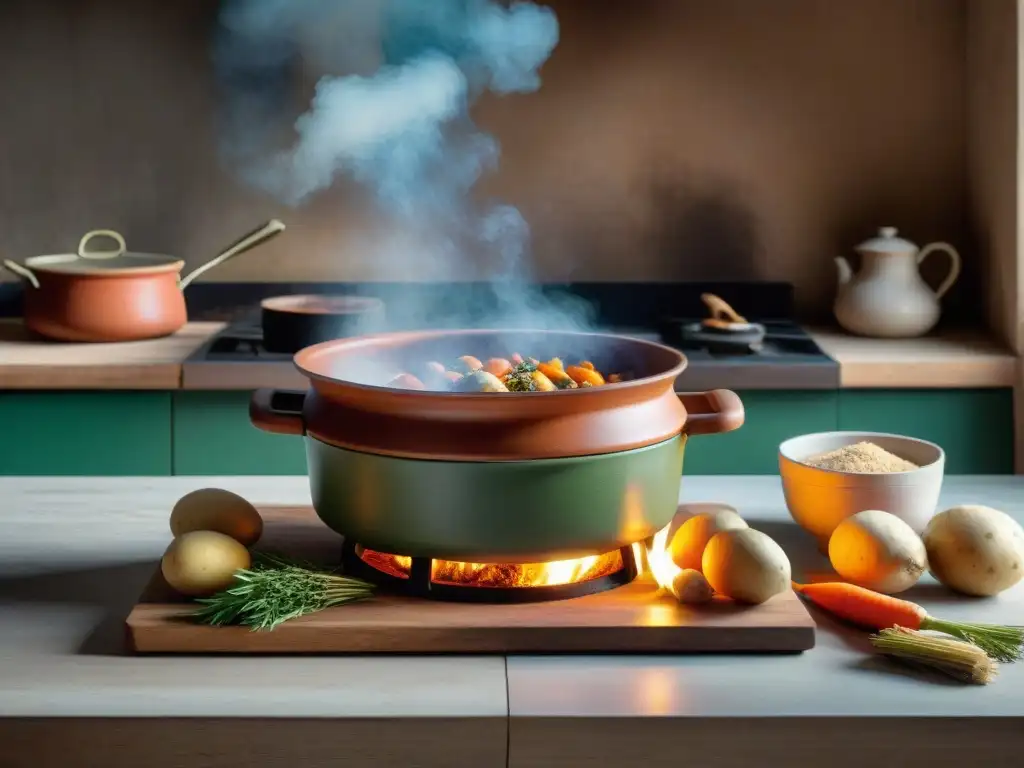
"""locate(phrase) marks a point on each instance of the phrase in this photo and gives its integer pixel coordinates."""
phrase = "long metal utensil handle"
(269, 230)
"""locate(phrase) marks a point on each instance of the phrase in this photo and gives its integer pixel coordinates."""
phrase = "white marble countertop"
(75, 553)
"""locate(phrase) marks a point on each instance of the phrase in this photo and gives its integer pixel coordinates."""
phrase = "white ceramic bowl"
(820, 499)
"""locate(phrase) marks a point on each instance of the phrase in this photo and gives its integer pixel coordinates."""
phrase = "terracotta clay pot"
(114, 295)
(485, 477)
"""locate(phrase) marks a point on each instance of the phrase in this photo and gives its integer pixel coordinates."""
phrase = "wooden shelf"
(949, 361)
(27, 362)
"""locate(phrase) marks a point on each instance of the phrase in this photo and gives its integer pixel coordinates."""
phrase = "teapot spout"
(845, 271)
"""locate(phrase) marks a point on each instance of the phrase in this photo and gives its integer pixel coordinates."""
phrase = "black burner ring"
(419, 583)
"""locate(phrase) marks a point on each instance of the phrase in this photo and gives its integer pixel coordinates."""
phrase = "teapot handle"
(954, 264)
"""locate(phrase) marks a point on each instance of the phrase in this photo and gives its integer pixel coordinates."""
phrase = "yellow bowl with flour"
(828, 476)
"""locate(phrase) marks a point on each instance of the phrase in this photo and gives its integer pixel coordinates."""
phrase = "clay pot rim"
(304, 358)
(296, 304)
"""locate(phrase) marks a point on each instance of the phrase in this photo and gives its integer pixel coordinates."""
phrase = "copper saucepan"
(114, 295)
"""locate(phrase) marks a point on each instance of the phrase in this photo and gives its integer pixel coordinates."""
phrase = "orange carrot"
(862, 606)
(556, 362)
(584, 376)
(875, 611)
(557, 376)
(587, 364)
(498, 366)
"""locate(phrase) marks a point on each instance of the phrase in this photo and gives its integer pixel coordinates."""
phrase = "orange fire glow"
(503, 575)
(653, 559)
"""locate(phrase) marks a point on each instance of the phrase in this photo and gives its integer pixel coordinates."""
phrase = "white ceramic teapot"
(888, 298)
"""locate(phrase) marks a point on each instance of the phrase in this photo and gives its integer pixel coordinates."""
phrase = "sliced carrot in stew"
(557, 376)
(584, 376)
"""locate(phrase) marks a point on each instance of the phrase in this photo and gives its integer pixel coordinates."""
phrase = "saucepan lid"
(92, 260)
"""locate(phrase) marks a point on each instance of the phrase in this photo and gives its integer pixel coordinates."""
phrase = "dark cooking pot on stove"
(482, 477)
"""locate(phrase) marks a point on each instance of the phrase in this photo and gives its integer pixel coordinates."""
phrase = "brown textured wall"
(670, 140)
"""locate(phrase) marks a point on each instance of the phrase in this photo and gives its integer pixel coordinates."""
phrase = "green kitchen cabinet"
(973, 426)
(771, 417)
(213, 436)
(85, 433)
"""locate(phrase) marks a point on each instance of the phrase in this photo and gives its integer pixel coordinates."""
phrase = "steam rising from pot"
(393, 115)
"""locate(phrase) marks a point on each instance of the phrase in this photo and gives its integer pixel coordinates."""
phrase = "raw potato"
(200, 563)
(879, 551)
(690, 587)
(975, 550)
(214, 509)
(746, 565)
(687, 546)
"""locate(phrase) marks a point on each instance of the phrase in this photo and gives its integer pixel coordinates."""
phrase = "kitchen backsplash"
(669, 141)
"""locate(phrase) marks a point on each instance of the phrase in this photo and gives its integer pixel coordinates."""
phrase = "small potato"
(975, 550)
(406, 381)
(468, 364)
(200, 563)
(746, 565)
(480, 381)
(498, 366)
(687, 546)
(542, 383)
(215, 509)
(690, 587)
(879, 551)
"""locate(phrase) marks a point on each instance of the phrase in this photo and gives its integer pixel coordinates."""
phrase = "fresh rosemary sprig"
(275, 590)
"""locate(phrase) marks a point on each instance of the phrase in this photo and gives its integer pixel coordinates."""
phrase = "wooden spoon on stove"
(723, 317)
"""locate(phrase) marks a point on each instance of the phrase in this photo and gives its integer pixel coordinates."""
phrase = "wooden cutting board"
(629, 619)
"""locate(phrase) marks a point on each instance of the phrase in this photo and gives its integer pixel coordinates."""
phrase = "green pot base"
(496, 512)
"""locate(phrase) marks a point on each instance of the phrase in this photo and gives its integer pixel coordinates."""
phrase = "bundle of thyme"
(275, 590)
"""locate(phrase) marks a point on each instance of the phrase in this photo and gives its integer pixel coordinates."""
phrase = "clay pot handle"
(20, 271)
(278, 411)
(954, 265)
(115, 236)
(711, 413)
(271, 229)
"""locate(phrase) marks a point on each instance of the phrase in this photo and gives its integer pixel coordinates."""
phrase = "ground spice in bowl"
(861, 458)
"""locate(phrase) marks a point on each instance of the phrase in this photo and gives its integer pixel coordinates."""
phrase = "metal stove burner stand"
(419, 583)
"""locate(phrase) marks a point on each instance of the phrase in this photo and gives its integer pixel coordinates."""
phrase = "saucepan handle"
(271, 229)
(711, 413)
(22, 272)
(278, 411)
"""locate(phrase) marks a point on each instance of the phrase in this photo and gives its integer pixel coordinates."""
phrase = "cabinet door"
(213, 436)
(771, 418)
(85, 433)
(973, 426)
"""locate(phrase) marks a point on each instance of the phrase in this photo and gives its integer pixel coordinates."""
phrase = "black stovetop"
(788, 355)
